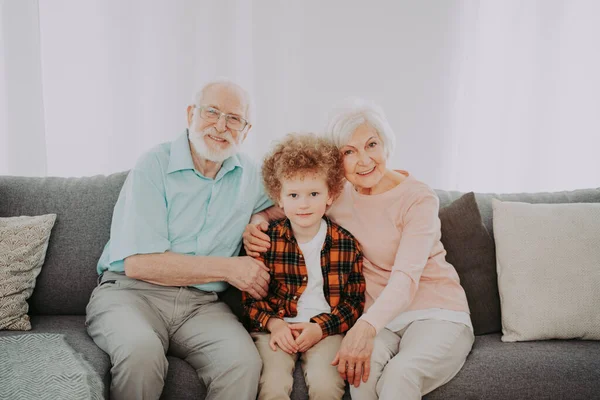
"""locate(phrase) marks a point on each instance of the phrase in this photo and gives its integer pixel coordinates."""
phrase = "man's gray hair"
(353, 112)
(197, 99)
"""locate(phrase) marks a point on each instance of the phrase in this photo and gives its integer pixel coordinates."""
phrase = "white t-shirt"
(312, 301)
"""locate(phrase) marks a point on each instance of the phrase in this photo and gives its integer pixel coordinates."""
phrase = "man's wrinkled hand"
(255, 240)
(250, 275)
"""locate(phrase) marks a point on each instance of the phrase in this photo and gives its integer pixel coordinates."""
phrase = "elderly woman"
(416, 331)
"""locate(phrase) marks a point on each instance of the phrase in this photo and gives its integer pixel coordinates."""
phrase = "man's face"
(214, 141)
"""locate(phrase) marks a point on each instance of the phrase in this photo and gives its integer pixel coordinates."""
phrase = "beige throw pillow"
(548, 263)
(23, 245)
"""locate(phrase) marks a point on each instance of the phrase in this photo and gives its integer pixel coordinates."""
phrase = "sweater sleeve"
(420, 227)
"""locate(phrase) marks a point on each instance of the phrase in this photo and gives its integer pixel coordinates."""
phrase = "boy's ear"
(329, 201)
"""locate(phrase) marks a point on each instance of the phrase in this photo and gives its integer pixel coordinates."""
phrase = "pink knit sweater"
(404, 267)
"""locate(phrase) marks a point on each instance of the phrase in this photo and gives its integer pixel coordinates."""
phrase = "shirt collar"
(229, 164)
(181, 155)
(285, 230)
(181, 158)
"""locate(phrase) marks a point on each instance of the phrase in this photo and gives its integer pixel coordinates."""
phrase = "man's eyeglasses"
(212, 114)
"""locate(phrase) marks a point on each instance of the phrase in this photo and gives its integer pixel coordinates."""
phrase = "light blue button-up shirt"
(165, 204)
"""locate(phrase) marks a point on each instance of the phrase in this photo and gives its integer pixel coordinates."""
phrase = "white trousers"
(416, 360)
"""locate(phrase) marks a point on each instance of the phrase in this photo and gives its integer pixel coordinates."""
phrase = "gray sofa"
(493, 370)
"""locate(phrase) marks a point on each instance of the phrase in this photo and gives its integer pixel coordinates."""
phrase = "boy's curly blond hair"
(299, 154)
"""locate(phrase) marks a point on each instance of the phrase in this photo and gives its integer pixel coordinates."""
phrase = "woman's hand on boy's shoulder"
(255, 240)
(281, 335)
(310, 334)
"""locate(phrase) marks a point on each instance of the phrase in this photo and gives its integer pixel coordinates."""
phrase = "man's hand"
(249, 275)
(353, 359)
(310, 334)
(255, 241)
(281, 335)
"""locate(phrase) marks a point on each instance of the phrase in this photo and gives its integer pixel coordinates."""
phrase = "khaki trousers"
(137, 323)
(416, 360)
(322, 379)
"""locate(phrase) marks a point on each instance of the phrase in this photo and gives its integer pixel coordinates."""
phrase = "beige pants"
(416, 360)
(322, 379)
(138, 323)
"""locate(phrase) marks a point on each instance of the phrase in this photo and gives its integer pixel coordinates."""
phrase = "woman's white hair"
(353, 112)
(199, 95)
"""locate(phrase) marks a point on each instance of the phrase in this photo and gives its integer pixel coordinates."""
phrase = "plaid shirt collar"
(284, 228)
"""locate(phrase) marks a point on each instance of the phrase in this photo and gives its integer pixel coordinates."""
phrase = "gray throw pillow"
(23, 245)
(471, 251)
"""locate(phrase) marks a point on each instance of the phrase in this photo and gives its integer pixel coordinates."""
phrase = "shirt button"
(301, 256)
(304, 279)
(295, 297)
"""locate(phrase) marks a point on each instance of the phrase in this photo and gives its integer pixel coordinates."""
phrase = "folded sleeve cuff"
(261, 320)
(118, 252)
(372, 321)
(324, 321)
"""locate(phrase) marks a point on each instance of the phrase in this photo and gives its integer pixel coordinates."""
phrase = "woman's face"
(364, 158)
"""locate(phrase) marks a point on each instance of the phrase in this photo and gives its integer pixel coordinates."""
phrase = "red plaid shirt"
(343, 282)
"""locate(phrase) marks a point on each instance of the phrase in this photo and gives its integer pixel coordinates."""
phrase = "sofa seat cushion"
(182, 381)
(73, 327)
(568, 369)
(559, 369)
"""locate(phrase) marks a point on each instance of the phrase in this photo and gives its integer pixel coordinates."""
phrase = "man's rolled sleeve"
(139, 224)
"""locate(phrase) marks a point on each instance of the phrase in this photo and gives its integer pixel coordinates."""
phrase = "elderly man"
(176, 230)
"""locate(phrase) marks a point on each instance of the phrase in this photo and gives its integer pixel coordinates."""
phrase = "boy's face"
(304, 199)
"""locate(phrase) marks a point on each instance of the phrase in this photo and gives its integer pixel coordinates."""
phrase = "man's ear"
(190, 115)
(245, 133)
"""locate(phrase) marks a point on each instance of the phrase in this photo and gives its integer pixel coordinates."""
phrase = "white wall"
(484, 96)
(22, 152)
(395, 55)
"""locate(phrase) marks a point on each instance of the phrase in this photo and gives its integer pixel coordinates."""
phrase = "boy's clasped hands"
(293, 337)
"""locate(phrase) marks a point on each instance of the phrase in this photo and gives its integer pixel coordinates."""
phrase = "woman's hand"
(281, 335)
(353, 359)
(310, 334)
(255, 241)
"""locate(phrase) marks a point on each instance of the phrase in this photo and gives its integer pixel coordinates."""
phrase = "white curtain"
(527, 98)
(482, 95)
(22, 133)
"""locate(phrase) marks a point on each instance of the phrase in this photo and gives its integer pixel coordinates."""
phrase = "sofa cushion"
(73, 327)
(84, 208)
(23, 245)
(182, 381)
(558, 369)
(548, 270)
(484, 203)
(484, 200)
(470, 249)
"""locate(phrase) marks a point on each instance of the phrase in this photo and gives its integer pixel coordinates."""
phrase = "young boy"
(316, 291)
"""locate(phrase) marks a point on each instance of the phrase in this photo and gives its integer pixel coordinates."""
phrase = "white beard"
(212, 154)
